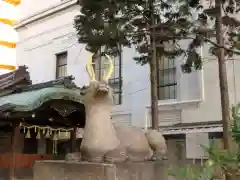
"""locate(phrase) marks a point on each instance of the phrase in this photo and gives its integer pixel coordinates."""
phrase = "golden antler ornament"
(90, 69)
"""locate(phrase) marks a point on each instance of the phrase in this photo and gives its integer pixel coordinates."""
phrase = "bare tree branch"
(217, 45)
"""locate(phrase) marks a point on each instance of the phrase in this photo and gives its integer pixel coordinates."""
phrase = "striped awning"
(13, 2)
(8, 17)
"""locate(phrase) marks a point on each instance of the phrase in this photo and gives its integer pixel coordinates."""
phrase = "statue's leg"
(154, 157)
(91, 155)
(116, 155)
(136, 155)
(158, 156)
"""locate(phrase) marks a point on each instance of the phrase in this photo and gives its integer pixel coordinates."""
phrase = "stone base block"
(62, 170)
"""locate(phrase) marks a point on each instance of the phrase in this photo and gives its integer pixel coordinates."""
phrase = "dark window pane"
(166, 76)
(61, 71)
(61, 65)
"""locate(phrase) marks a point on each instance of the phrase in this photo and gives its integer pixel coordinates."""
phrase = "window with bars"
(166, 78)
(61, 65)
(115, 81)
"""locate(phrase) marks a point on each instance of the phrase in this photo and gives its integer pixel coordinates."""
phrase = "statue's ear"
(84, 90)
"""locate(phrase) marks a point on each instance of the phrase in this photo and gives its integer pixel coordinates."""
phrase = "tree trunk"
(153, 71)
(223, 82)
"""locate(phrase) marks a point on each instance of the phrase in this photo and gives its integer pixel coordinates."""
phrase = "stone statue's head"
(98, 91)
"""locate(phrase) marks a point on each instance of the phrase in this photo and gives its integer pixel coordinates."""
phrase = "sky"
(7, 33)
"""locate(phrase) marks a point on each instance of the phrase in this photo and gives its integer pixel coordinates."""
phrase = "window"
(61, 65)
(166, 78)
(115, 81)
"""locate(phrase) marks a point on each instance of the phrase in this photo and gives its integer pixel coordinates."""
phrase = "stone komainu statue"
(105, 142)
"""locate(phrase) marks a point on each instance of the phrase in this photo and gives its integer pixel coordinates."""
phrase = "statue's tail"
(156, 142)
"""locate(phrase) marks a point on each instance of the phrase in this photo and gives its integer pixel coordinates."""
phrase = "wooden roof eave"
(30, 100)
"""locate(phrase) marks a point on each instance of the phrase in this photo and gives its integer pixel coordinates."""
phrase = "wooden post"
(14, 139)
(73, 140)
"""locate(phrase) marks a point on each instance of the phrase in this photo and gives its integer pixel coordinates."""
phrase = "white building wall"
(29, 8)
(210, 108)
(41, 39)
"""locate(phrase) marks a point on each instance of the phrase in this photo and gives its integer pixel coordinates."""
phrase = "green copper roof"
(30, 100)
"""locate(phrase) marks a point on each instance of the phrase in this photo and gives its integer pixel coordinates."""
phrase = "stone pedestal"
(62, 170)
